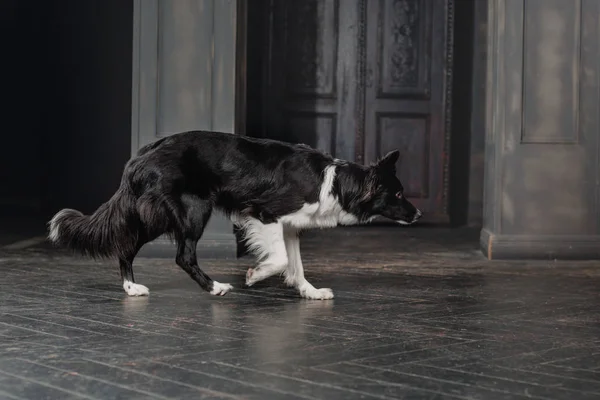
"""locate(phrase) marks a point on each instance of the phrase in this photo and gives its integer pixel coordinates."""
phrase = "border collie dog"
(271, 190)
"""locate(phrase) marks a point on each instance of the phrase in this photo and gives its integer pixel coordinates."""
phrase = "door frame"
(242, 91)
(241, 63)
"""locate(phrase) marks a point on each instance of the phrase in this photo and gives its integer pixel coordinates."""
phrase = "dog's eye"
(399, 195)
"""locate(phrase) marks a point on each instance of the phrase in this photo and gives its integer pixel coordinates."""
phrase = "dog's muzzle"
(416, 217)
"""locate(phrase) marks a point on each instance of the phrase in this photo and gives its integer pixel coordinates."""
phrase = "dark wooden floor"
(418, 314)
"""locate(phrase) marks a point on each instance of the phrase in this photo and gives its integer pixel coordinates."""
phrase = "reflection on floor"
(418, 313)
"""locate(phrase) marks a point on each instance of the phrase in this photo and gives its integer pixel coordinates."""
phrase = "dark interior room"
(67, 108)
(492, 294)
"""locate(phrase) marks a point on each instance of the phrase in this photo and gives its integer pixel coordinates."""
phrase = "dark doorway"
(357, 79)
(66, 97)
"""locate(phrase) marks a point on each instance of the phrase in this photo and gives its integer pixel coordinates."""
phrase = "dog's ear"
(370, 186)
(390, 160)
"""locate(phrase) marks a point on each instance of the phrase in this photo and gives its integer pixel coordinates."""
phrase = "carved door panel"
(358, 78)
(406, 95)
(311, 73)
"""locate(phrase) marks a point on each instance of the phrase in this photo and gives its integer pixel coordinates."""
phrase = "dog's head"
(385, 192)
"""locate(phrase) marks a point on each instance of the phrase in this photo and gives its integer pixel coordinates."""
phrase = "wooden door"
(357, 78)
(407, 95)
(311, 74)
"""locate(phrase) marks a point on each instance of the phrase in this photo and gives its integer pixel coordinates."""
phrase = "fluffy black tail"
(112, 231)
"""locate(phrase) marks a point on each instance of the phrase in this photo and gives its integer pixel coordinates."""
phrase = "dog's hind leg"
(126, 266)
(131, 288)
(266, 242)
(197, 214)
(294, 274)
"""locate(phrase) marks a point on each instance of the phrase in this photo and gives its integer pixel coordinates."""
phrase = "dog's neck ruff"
(326, 213)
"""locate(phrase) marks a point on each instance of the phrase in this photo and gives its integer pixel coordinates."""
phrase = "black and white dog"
(271, 190)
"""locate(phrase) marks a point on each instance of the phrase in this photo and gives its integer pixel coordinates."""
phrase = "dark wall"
(25, 101)
(68, 74)
(257, 25)
(462, 106)
(92, 85)
(478, 117)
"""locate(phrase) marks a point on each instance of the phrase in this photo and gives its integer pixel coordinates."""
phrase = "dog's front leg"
(266, 241)
(294, 273)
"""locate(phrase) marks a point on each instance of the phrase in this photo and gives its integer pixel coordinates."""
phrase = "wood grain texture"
(418, 313)
(542, 144)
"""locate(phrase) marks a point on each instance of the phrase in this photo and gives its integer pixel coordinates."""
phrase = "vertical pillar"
(184, 79)
(542, 156)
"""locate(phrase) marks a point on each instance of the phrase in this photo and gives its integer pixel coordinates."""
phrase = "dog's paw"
(134, 289)
(249, 280)
(220, 289)
(318, 294)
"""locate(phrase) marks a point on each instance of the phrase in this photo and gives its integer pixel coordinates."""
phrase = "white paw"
(317, 294)
(134, 289)
(249, 280)
(220, 289)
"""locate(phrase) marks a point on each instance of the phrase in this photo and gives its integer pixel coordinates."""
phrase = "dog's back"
(265, 178)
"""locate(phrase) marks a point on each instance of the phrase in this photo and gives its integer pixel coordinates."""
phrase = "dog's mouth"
(416, 217)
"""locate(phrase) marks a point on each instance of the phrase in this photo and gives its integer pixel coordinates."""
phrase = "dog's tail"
(111, 231)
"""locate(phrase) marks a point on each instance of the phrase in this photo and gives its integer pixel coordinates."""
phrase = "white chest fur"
(326, 213)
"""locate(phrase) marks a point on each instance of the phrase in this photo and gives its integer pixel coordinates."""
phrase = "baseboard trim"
(538, 247)
(212, 245)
